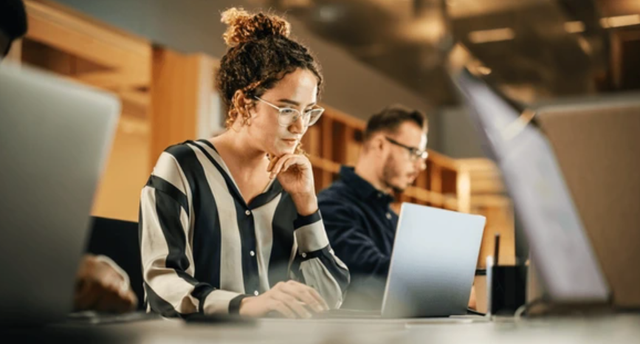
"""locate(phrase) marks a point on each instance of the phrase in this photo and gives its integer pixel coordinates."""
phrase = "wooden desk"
(611, 329)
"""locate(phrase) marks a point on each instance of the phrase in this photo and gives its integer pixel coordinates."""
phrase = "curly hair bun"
(245, 27)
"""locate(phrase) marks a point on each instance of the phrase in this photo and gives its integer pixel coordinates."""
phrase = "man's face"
(401, 168)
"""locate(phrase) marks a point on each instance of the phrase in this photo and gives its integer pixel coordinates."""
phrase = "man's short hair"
(390, 119)
(13, 18)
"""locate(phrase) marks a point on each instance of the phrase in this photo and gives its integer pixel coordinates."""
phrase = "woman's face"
(297, 90)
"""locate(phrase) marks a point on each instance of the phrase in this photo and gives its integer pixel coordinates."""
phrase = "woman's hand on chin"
(295, 174)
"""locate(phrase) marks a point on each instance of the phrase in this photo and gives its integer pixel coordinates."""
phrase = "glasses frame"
(295, 117)
(415, 154)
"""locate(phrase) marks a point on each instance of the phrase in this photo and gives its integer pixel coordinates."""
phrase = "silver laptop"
(55, 136)
(559, 246)
(433, 262)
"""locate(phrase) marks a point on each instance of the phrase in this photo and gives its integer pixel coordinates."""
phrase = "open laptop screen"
(559, 246)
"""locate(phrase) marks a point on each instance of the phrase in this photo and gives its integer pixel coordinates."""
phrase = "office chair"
(119, 241)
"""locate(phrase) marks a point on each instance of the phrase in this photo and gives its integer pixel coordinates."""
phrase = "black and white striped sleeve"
(315, 262)
(167, 250)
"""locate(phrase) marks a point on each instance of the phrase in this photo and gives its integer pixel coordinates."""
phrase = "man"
(100, 284)
(356, 209)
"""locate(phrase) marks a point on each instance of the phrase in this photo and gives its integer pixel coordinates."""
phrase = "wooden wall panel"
(126, 173)
(177, 92)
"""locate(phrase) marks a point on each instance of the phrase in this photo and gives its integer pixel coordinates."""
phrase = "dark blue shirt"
(361, 227)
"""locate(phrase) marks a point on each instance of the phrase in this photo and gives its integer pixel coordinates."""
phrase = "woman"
(231, 224)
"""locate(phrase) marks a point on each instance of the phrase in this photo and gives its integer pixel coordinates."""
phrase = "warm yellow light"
(620, 21)
(484, 70)
(574, 26)
(493, 35)
(585, 45)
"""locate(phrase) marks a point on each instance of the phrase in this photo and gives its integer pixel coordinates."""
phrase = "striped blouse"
(204, 249)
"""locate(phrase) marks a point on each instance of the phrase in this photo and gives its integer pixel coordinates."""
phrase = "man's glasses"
(414, 153)
(289, 115)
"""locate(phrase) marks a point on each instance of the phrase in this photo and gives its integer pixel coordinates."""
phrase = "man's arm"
(350, 240)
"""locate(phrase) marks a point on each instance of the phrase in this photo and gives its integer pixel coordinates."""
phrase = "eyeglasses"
(414, 153)
(289, 115)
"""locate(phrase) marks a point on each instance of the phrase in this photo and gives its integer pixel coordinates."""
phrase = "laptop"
(594, 139)
(55, 137)
(562, 252)
(433, 265)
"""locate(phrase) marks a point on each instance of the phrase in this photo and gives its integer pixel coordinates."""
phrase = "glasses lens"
(288, 116)
(419, 155)
(314, 116)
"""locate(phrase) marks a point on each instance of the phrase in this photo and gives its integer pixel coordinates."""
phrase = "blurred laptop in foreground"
(55, 137)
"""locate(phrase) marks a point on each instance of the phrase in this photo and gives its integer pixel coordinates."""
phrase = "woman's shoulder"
(179, 150)
(183, 153)
(177, 159)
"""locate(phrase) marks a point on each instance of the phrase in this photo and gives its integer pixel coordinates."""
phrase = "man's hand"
(100, 287)
(291, 299)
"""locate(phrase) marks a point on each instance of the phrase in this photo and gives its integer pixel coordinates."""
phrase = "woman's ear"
(242, 105)
(240, 100)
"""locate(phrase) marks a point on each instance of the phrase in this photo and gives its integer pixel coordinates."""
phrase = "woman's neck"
(237, 150)
(247, 165)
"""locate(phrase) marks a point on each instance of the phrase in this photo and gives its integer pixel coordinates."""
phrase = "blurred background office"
(160, 57)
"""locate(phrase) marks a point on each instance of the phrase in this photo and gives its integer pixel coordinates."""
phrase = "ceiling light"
(296, 3)
(574, 26)
(585, 45)
(330, 13)
(619, 21)
(484, 70)
(494, 35)
(428, 28)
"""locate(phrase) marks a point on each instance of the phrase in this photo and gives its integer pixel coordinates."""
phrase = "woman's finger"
(276, 169)
(292, 162)
(281, 308)
(298, 290)
(314, 293)
(272, 163)
(292, 303)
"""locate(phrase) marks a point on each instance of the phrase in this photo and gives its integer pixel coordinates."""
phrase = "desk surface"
(610, 329)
